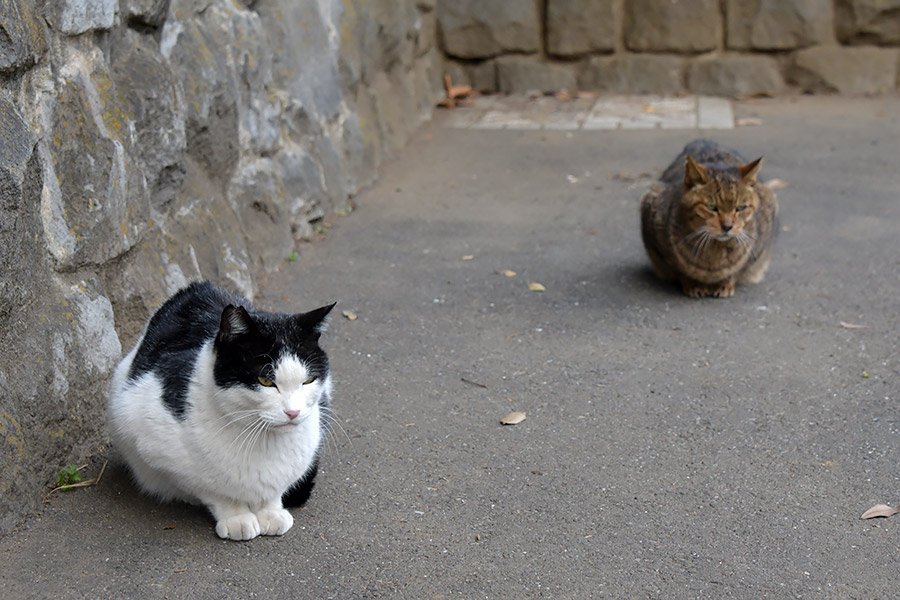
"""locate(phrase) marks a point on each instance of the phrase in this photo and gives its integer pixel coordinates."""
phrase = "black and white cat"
(224, 404)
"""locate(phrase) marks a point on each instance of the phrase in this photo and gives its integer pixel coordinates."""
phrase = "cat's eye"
(266, 382)
(742, 207)
(712, 208)
(310, 380)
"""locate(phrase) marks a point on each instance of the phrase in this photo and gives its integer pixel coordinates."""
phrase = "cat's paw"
(722, 290)
(725, 290)
(244, 526)
(274, 522)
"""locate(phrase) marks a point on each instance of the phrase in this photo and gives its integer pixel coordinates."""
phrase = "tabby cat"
(708, 223)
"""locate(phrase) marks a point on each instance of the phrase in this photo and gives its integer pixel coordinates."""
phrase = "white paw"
(274, 522)
(244, 526)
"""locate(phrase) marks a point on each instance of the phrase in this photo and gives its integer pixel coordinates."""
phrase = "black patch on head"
(246, 343)
(249, 344)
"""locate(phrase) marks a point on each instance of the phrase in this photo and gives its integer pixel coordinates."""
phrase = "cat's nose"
(726, 225)
(292, 414)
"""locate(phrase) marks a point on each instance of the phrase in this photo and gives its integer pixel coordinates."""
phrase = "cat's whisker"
(245, 434)
(331, 415)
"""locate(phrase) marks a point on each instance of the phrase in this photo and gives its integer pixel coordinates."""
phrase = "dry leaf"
(563, 94)
(536, 287)
(513, 418)
(459, 91)
(846, 325)
(649, 108)
(351, 316)
(508, 273)
(776, 184)
(171, 526)
(880, 510)
(748, 121)
(468, 257)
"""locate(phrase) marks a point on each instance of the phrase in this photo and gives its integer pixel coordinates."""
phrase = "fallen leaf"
(171, 526)
(508, 273)
(649, 108)
(572, 178)
(865, 374)
(880, 510)
(776, 184)
(846, 325)
(747, 121)
(513, 418)
(459, 91)
(563, 94)
(468, 257)
(536, 287)
(351, 316)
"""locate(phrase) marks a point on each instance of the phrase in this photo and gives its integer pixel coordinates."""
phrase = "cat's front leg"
(274, 519)
(234, 520)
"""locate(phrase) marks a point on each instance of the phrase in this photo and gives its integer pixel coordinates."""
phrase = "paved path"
(591, 112)
(673, 448)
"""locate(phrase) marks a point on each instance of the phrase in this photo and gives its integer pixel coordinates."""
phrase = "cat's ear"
(314, 320)
(694, 173)
(750, 170)
(236, 321)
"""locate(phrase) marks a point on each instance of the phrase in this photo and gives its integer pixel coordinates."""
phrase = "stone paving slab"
(595, 113)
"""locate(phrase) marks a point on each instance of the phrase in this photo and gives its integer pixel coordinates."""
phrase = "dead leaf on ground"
(513, 418)
(776, 184)
(534, 286)
(468, 257)
(747, 121)
(648, 108)
(171, 526)
(632, 176)
(880, 510)
(563, 94)
(508, 273)
(846, 325)
(455, 94)
(351, 316)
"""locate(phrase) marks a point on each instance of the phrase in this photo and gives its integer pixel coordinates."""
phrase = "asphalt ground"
(673, 448)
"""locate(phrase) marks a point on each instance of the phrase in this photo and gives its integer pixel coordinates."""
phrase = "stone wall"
(144, 143)
(715, 47)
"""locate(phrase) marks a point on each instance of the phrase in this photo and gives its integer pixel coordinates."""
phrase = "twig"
(469, 381)
(87, 483)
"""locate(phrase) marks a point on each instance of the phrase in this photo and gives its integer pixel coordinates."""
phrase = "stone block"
(479, 29)
(734, 75)
(75, 17)
(874, 22)
(256, 195)
(21, 37)
(94, 204)
(144, 110)
(150, 13)
(845, 70)
(305, 195)
(578, 27)
(634, 74)
(683, 26)
(484, 76)
(777, 24)
(519, 74)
